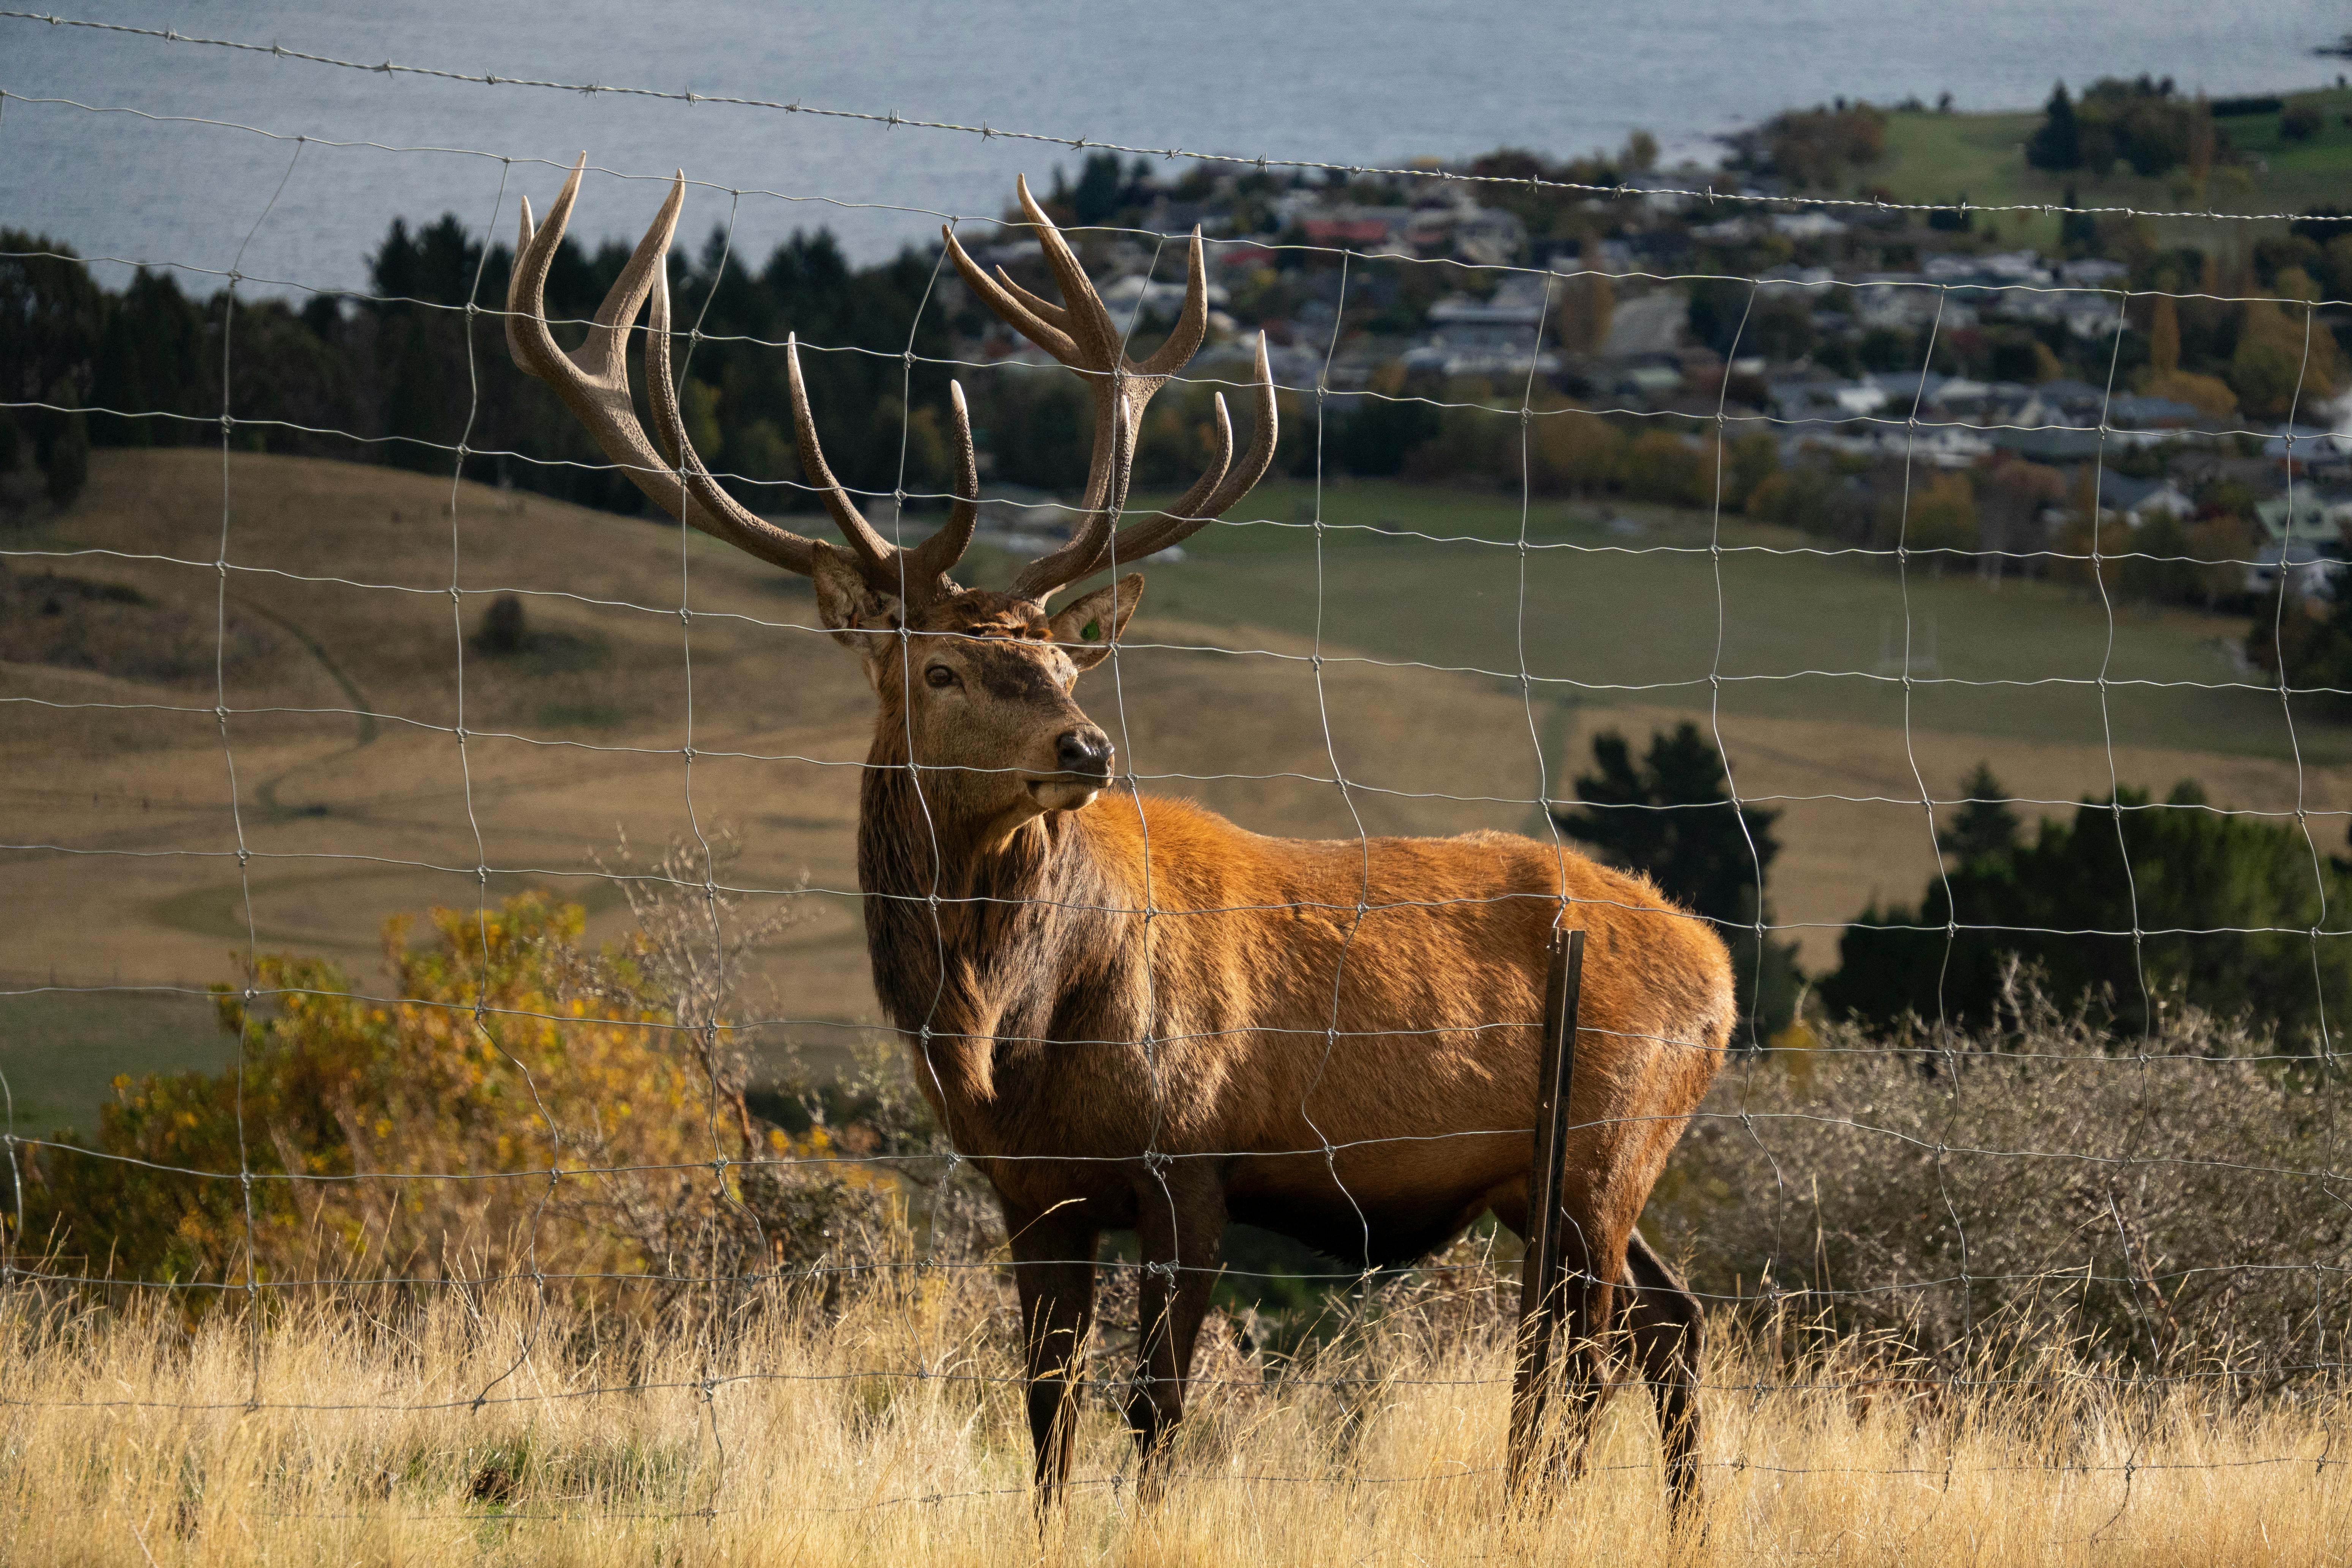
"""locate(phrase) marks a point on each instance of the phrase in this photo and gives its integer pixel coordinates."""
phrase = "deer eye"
(941, 676)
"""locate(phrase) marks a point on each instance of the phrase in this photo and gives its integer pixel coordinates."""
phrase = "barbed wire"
(1081, 143)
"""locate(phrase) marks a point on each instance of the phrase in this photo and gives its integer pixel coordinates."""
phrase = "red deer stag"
(1128, 1012)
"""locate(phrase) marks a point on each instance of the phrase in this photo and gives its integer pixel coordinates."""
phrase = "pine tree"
(1097, 199)
(1672, 817)
(1985, 830)
(1587, 305)
(2078, 231)
(67, 459)
(177, 375)
(2314, 643)
(2058, 142)
(417, 411)
(121, 380)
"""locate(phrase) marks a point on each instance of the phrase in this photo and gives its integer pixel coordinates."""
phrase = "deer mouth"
(1066, 792)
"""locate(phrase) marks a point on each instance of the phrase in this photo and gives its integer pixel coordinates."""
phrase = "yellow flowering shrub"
(516, 1104)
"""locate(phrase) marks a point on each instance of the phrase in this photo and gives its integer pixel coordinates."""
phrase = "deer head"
(978, 682)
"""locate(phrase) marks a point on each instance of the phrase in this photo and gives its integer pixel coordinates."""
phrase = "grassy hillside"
(357, 802)
(1617, 618)
(1935, 157)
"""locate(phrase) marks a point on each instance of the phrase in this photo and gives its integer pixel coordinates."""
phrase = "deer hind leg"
(1054, 1267)
(1669, 1331)
(1180, 1223)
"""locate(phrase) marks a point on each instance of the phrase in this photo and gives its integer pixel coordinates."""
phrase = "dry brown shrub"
(2155, 1202)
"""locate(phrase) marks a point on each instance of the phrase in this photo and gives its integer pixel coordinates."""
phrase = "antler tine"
(939, 553)
(1080, 334)
(1043, 309)
(1138, 539)
(600, 356)
(1123, 464)
(593, 382)
(1213, 494)
(1192, 323)
(714, 511)
(1246, 473)
(1049, 572)
(1089, 323)
(1046, 335)
(875, 554)
(527, 339)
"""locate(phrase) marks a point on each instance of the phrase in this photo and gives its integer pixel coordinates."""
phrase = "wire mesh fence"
(2037, 1195)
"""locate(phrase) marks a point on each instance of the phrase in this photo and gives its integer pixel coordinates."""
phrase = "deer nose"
(1085, 750)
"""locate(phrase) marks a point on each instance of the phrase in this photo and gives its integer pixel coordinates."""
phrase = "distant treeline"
(2133, 907)
(394, 378)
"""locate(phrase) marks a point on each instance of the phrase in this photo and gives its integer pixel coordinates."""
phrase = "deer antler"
(1080, 334)
(594, 383)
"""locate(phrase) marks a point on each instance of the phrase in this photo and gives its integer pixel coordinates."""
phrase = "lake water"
(1377, 81)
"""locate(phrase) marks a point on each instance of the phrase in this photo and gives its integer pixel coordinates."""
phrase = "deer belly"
(1379, 1204)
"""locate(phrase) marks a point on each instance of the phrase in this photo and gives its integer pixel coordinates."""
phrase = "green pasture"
(1934, 157)
(61, 1050)
(1614, 618)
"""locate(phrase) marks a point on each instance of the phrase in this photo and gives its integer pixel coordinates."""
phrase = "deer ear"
(1086, 627)
(846, 604)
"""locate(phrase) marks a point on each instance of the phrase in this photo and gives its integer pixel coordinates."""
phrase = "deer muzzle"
(1083, 757)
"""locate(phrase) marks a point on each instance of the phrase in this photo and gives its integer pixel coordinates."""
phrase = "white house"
(2135, 501)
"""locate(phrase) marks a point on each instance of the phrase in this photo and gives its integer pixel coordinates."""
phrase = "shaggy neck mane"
(1002, 958)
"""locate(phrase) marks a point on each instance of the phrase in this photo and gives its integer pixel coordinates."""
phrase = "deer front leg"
(1592, 1249)
(1595, 1261)
(1054, 1269)
(1180, 1225)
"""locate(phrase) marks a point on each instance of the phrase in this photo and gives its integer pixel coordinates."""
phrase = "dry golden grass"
(125, 1440)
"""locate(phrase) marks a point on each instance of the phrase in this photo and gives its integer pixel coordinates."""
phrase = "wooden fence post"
(1542, 1276)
